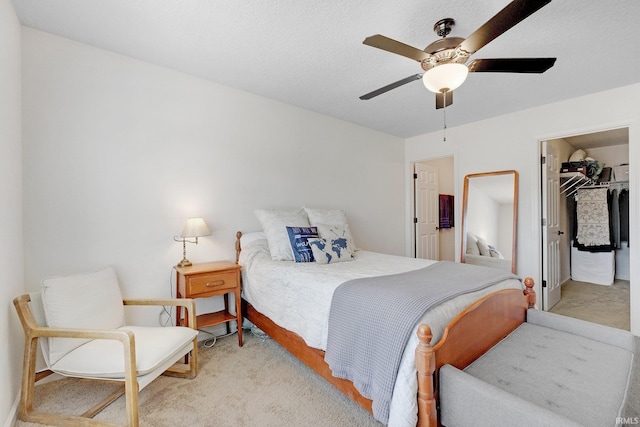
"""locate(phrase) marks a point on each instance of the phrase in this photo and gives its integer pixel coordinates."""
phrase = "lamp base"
(184, 263)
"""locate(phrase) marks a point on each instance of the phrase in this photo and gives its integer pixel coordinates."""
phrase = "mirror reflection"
(489, 219)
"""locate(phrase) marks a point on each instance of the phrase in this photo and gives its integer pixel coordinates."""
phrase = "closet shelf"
(570, 182)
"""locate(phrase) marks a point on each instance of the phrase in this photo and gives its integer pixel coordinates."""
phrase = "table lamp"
(194, 228)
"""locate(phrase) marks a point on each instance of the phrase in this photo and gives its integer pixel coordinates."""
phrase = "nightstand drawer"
(199, 285)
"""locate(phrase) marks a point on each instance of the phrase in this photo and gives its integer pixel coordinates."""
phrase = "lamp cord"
(167, 313)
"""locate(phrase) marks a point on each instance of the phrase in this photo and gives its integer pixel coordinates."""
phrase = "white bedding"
(297, 297)
(488, 261)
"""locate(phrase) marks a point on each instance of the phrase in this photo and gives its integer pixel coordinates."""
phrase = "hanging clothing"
(623, 205)
(447, 209)
(593, 223)
(615, 219)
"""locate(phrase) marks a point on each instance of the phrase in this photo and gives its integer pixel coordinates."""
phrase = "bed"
(295, 314)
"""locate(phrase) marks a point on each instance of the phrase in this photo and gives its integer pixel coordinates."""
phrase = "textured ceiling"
(310, 54)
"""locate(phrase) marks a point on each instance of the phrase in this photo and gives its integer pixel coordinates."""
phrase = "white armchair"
(81, 321)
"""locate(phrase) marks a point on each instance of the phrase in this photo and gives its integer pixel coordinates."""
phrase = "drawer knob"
(215, 283)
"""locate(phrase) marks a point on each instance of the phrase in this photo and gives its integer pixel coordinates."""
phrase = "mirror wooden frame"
(465, 194)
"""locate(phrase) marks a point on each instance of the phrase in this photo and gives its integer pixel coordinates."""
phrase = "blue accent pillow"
(328, 251)
(299, 239)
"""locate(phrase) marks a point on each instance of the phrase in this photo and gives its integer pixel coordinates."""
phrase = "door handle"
(560, 233)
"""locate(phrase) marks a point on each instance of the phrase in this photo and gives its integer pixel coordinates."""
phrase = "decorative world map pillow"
(336, 231)
(330, 216)
(327, 251)
(495, 253)
(299, 239)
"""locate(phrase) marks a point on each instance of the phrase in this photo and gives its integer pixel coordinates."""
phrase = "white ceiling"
(606, 138)
(310, 54)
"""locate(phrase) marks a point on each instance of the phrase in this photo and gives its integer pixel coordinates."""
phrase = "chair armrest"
(105, 334)
(187, 303)
(467, 400)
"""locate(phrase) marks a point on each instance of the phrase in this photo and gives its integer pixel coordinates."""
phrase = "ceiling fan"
(444, 61)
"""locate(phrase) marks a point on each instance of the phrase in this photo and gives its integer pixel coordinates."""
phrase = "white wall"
(484, 223)
(11, 252)
(504, 242)
(610, 156)
(119, 152)
(512, 142)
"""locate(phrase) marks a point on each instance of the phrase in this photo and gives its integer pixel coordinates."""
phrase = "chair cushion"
(86, 301)
(100, 358)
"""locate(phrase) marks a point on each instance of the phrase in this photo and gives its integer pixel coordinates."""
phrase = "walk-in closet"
(593, 226)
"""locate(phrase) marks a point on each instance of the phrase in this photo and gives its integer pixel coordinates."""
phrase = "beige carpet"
(606, 305)
(259, 384)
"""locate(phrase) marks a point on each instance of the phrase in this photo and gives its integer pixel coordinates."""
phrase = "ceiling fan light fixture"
(445, 77)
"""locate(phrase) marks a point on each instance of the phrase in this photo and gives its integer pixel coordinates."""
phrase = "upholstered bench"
(550, 371)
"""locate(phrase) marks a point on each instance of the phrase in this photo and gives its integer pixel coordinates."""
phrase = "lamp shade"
(445, 77)
(195, 227)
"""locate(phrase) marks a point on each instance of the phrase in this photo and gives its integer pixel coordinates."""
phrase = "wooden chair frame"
(33, 332)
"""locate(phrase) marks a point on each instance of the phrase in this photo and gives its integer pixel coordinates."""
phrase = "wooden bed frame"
(469, 335)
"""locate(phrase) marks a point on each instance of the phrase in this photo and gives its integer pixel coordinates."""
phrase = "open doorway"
(593, 277)
(433, 209)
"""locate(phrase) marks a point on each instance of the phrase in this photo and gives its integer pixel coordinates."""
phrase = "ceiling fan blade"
(511, 65)
(391, 86)
(444, 99)
(512, 14)
(394, 46)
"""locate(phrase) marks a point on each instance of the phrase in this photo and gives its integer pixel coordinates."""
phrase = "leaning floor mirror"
(489, 219)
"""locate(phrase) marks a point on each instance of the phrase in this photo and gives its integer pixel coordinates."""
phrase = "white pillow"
(472, 245)
(326, 216)
(87, 301)
(483, 246)
(329, 216)
(247, 238)
(330, 251)
(274, 223)
(495, 253)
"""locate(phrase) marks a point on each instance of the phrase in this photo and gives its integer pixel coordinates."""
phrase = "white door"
(550, 226)
(427, 211)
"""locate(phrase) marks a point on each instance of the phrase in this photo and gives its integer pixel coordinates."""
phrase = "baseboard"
(13, 412)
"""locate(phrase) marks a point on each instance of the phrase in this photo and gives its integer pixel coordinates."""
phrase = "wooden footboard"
(469, 335)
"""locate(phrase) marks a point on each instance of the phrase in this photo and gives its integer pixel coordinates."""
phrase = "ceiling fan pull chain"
(444, 114)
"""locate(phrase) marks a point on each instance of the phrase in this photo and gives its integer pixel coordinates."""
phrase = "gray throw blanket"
(371, 320)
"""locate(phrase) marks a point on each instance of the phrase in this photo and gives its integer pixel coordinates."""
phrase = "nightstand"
(207, 280)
